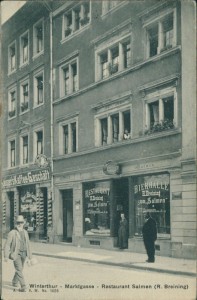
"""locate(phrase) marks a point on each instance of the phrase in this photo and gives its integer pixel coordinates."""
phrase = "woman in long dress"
(123, 232)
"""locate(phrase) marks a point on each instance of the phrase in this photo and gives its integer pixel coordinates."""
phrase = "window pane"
(154, 113)
(168, 109)
(127, 54)
(153, 40)
(39, 90)
(25, 149)
(97, 208)
(104, 132)
(168, 31)
(152, 194)
(104, 65)
(115, 127)
(75, 77)
(39, 142)
(39, 39)
(74, 137)
(12, 153)
(66, 81)
(65, 138)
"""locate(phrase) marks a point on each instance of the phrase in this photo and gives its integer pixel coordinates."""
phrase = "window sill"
(76, 33)
(11, 118)
(38, 54)
(23, 112)
(38, 105)
(111, 10)
(24, 65)
(11, 72)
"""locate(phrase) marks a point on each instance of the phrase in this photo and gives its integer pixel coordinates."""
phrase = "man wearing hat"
(149, 232)
(17, 248)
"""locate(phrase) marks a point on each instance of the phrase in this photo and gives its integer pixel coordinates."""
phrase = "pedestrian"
(17, 248)
(123, 232)
(149, 232)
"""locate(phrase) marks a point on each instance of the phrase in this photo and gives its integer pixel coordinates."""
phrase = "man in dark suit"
(149, 232)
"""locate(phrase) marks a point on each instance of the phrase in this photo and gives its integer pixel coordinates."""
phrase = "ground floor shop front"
(28, 194)
(88, 206)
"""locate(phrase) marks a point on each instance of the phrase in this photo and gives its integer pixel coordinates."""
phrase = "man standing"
(149, 232)
(17, 248)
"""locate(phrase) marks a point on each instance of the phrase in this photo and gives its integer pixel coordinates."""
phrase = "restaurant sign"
(26, 178)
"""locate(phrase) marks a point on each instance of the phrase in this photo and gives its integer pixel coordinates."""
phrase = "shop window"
(113, 128)
(39, 142)
(24, 49)
(12, 103)
(69, 78)
(113, 59)
(38, 89)
(24, 98)
(69, 139)
(28, 206)
(76, 19)
(161, 35)
(97, 208)
(12, 57)
(160, 115)
(12, 153)
(25, 150)
(152, 194)
(38, 38)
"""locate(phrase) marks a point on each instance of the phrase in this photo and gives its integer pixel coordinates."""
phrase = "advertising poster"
(98, 150)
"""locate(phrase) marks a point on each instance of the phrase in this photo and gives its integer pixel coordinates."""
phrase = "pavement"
(115, 257)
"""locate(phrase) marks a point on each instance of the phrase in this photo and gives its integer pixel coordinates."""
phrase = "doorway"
(45, 216)
(11, 198)
(67, 203)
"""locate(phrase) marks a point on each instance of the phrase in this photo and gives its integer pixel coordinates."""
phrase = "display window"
(28, 207)
(97, 208)
(152, 194)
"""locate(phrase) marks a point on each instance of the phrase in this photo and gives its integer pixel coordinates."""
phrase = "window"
(97, 208)
(112, 129)
(69, 138)
(12, 57)
(161, 35)
(76, 19)
(24, 48)
(39, 142)
(152, 194)
(38, 38)
(12, 153)
(114, 59)
(24, 98)
(38, 89)
(12, 103)
(69, 78)
(25, 154)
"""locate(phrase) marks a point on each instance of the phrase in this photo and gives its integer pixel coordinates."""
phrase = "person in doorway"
(149, 232)
(17, 248)
(123, 232)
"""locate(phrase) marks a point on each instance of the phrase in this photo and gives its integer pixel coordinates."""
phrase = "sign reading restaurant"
(26, 178)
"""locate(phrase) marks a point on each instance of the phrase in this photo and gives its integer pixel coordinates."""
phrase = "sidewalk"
(116, 257)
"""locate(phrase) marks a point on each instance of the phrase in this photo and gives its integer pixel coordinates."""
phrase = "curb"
(123, 265)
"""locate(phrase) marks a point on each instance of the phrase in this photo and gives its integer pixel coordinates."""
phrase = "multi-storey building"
(26, 186)
(124, 67)
(123, 119)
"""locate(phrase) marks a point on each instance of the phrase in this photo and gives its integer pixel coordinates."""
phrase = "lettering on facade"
(26, 178)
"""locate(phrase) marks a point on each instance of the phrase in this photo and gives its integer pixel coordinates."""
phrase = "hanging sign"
(111, 168)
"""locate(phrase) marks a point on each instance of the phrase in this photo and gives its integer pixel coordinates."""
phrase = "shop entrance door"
(67, 199)
(121, 201)
(11, 198)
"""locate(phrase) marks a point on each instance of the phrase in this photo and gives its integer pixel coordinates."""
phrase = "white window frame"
(10, 91)
(22, 62)
(108, 49)
(61, 75)
(159, 96)
(61, 136)
(109, 114)
(38, 74)
(72, 28)
(36, 130)
(37, 53)
(21, 148)
(23, 83)
(10, 69)
(158, 21)
(9, 152)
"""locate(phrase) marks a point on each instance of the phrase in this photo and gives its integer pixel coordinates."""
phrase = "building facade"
(26, 174)
(123, 119)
